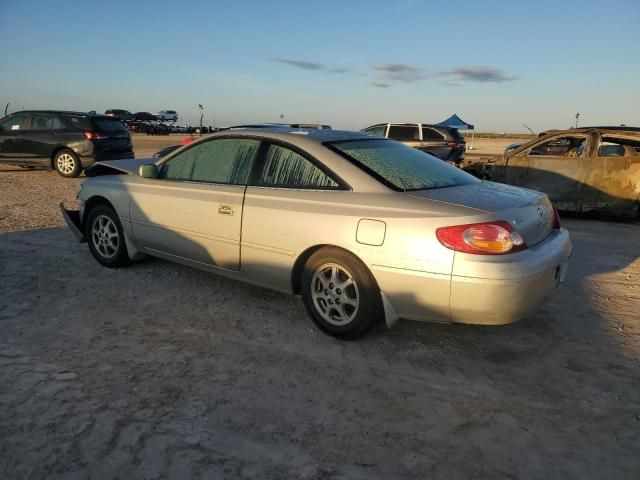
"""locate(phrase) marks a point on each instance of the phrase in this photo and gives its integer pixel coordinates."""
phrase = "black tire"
(348, 322)
(107, 244)
(67, 164)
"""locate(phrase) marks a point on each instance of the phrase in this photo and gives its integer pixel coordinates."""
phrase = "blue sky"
(348, 63)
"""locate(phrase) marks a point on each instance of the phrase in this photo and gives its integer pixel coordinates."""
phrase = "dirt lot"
(160, 371)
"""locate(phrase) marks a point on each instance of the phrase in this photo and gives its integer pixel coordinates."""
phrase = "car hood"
(530, 212)
(129, 165)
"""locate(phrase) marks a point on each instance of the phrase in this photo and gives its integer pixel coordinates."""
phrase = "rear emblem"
(540, 211)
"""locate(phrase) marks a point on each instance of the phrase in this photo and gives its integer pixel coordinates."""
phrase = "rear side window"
(403, 133)
(14, 122)
(402, 167)
(619, 147)
(45, 121)
(227, 161)
(378, 130)
(109, 125)
(287, 169)
(431, 135)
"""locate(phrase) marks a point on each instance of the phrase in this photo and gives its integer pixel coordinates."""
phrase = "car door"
(41, 138)
(613, 182)
(193, 211)
(11, 130)
(292, 201)
(557, 166)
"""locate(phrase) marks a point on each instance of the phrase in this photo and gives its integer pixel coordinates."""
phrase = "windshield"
(401, 167)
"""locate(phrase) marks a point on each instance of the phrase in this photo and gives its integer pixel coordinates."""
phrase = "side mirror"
(148, 171)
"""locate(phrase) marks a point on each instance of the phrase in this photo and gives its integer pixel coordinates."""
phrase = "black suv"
(443, 142)
(65, 141)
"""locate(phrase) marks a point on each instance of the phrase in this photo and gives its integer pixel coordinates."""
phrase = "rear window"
(401, 167)
(109, 125)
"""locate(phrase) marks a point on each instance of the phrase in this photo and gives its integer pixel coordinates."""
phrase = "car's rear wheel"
(340, 294)
(105, 237)
(67, 164)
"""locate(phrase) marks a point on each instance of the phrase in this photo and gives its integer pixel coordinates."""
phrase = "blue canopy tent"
(454, 121)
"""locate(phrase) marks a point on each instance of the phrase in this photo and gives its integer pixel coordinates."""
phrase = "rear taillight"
(453, 144)
(92, 135)
(556, 218)
(490, 238)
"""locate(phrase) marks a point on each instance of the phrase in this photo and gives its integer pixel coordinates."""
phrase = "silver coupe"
(365, 229)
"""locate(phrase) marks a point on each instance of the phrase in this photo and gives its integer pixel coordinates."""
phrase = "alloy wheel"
(335, 294)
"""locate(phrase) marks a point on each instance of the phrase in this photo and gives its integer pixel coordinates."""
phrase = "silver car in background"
(365, 229)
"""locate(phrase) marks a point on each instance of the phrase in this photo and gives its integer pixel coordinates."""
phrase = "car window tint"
(561, 147)
(619, 147)
(378, 130)
(403, 133)
(14, 122)
(285, 168)
(79, 122)
(110, 125)
(402, 167)
(430, 135)
(180, 166)
(43, 121)
(226, 160)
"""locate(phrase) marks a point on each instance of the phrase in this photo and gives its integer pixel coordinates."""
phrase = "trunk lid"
(528, 211)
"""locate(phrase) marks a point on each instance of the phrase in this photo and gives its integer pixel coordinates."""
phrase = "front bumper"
(72, 219)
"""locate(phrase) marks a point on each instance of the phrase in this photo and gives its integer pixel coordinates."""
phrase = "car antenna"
(532, 132)
(6, 107)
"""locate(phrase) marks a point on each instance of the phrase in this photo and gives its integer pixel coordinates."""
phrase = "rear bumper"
(504, 292)
(483, 289)
(72, 219)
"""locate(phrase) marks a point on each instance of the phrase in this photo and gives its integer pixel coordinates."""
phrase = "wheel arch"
(298, 266)
(92, 202)
(58, 149)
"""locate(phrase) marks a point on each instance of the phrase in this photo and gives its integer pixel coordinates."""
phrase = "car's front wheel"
(105, 237)
(340, 294)
(67, 164)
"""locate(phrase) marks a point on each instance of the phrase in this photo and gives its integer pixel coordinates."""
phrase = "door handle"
(225, 210)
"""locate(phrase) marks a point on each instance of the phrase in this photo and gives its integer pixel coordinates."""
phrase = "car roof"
(64, 112)
(297, 134)
(613, 130)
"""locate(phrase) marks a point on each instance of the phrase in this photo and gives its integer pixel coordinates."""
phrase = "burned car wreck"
(593, 170)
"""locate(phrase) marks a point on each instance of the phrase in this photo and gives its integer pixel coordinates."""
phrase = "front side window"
(285, 168)
(44, 121)
(226, 160)
(402, 167)
(569, 146)
(403, 133)
(14, 123)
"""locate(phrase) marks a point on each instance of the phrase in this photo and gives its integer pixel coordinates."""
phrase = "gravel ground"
(160, 371)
